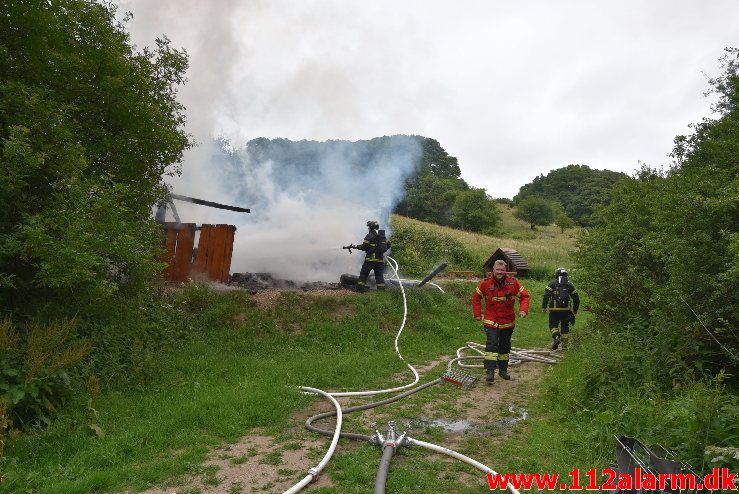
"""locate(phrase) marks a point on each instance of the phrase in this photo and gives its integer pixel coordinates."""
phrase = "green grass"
(234, 377)
(238, 376)
(424, 245)
(236, 366)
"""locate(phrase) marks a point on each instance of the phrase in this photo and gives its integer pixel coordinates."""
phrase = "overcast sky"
(512, 89)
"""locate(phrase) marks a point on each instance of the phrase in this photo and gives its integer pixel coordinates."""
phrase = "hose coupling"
(391, 431)
(401, 439)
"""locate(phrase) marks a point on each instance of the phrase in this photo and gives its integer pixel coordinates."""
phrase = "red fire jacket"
(499, 301)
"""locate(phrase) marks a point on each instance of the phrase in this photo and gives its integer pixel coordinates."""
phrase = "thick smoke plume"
(301, 216)
(307, 200)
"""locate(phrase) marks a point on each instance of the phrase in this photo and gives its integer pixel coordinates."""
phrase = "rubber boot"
(490, 378)
(565, 342)
(557, 341)
(504, 375)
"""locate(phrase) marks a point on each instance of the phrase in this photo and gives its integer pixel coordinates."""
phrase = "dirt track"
(261, 463)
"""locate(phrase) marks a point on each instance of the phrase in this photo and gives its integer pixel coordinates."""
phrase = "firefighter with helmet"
(561, 301)
(375, 245)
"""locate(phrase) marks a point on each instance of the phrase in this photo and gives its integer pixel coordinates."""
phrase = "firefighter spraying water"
(375, 245)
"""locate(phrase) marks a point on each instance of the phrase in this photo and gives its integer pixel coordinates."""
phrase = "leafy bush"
(661, 268)
(664, 251)
(34, 368)
(614, 384)
(88, 129)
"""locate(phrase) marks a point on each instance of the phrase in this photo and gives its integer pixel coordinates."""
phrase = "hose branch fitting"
(392, 439)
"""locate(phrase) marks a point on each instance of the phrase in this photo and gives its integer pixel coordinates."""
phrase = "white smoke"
(298, 225)
(301, 216)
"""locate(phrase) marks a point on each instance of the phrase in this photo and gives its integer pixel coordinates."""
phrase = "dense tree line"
(662, 260)
(578, 188)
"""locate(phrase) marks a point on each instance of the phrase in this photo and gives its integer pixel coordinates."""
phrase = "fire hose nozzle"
(349, 247)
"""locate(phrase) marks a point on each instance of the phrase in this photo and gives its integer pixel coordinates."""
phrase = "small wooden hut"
(515, 263)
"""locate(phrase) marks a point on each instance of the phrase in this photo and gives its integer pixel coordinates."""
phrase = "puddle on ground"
(518, 414)
(454, 426)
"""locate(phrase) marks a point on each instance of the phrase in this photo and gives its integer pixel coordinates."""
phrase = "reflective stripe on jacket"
(551, 298)
(369, 245)
(500, 301)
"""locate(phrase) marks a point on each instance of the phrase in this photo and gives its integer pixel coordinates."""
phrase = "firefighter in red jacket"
(499, 291)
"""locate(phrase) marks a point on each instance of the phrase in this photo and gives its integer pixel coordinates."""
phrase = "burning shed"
(515, 262)
(212, 257)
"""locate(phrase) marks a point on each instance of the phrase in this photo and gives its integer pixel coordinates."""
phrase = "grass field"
(426, 244)
(240, 374)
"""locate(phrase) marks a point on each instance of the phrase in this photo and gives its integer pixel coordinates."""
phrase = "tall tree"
(430, 194)
(474, 210)
(88, 128)
(563, 221)
(536, 211)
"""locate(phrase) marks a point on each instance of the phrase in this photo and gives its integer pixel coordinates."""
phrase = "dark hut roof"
(515, 261)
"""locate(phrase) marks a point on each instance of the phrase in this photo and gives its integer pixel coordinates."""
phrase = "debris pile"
(256, 282)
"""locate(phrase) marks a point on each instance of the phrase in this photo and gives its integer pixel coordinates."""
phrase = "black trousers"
(557, 319)
(379, 269)
(497, 348)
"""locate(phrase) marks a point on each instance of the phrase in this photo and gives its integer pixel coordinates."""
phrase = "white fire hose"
(519, 355)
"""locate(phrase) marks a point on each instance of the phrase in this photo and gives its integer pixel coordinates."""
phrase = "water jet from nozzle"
(438, 269)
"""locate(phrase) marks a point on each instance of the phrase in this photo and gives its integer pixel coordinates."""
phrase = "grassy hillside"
(239, 373)
(234, 369)
(418, 246)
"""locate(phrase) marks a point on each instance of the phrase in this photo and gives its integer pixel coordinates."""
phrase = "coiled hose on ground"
(390, 447)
